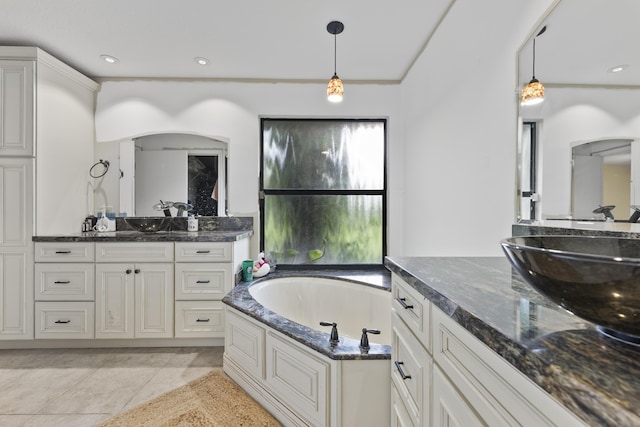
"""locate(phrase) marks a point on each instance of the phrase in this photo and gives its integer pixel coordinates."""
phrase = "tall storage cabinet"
(16, 253)
(46, 149)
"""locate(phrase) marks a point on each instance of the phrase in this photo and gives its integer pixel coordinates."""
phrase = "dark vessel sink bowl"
(148, 224)
(595, 278)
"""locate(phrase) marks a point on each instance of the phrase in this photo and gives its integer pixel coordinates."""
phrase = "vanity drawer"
(199, 319)
(202, 281)
(64, 320)
(409, 358)
(64, 252)
(413, 309)
(204, 251)
(134, 252)
(64, 282)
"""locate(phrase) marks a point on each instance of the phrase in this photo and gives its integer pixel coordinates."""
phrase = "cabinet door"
(16, 108)
(115, 300)
(16, 248)
(16, 295)
(450, 409)
(154, 300)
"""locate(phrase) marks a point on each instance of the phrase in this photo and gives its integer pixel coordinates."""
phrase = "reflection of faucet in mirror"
(606, 211)
(636, 214)
(164, 206)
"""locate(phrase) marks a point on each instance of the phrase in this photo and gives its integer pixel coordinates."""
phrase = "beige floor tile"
(82, 387)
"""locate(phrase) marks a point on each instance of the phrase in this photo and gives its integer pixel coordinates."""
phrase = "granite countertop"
(138, 236)
(347, 349)
(594, 376)
(577, 227)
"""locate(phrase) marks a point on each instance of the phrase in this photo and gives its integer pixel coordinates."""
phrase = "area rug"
(213, 400)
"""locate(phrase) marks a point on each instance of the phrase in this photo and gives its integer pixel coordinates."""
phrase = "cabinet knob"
(128, 271)
(137, 270)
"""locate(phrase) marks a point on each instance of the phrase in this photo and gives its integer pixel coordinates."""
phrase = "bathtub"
(276, 350)
(310, 300)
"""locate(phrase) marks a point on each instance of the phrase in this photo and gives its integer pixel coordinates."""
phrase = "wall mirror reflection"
(189, 171)
(589, 64)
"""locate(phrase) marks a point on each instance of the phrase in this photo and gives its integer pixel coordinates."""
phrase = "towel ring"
(104, 163)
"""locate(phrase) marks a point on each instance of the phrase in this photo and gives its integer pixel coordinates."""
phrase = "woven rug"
(213, 400)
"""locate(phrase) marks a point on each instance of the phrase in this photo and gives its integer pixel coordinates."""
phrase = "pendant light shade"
(335, 88)
(533, 92)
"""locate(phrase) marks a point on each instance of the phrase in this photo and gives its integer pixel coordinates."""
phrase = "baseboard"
(108, 343)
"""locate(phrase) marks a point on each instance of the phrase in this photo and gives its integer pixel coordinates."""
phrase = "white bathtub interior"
(310, 300)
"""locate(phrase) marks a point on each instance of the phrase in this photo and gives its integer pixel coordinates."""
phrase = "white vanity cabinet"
(64, 290)
(134, 290)
(204, 274)
(444, 376)
(411, 360)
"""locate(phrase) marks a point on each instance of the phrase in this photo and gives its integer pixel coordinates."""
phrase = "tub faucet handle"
(364, 340)
(333, 339)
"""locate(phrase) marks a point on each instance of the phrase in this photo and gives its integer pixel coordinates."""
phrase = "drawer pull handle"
(202, 320)
(203, 281)
(401, 372)
(62, 282)
(63, 321)
(63, 252)
(203, 252)
(404, 305)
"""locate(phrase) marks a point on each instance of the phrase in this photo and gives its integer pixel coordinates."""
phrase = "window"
(323, 195)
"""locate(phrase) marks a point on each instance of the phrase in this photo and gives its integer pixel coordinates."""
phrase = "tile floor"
(82, 387)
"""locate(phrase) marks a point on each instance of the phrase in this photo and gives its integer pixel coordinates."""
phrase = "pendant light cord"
(335, 54)
(533, 72)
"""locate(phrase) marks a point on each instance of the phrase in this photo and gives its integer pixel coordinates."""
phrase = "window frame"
(297, 192)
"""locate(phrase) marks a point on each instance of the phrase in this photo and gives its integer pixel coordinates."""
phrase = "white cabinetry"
(134, 299)
(444, 376)
(204, 274)
(16, 249)
(64, 290)
(46, 123)
(410, 356)
(16, 107)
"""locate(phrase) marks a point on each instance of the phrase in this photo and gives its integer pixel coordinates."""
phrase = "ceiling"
(583, 40)
(276, 40)
(287, 40)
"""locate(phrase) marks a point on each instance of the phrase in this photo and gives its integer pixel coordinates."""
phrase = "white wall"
(451, 143)
(572, 115)
(232, 110)
(460, 110)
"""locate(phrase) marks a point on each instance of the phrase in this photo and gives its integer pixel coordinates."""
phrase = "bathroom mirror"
(180, 168)
(589, 63)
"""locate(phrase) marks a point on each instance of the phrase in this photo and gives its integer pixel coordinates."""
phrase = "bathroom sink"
(595, 278)
(148, 224)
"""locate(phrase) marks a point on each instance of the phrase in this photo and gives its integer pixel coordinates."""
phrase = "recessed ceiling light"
(110, 59)
(201, 61)
(617, 68)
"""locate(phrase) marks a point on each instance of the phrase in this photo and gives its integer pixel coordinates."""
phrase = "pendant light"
(335, 89)
(533, 93)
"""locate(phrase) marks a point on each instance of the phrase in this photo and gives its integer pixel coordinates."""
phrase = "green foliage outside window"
(324, 191)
